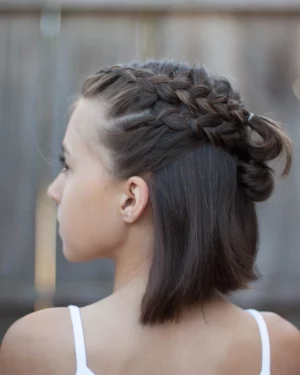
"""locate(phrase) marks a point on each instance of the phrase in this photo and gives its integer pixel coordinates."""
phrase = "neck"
(133, 264)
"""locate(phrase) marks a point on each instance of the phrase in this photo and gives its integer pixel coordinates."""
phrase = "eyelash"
(63, 163)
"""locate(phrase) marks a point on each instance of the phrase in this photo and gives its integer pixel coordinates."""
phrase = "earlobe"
(134, 199)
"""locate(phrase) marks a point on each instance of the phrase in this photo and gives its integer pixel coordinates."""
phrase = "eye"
(63, 163)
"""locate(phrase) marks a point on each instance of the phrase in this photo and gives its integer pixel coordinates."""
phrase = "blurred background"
(46, 50)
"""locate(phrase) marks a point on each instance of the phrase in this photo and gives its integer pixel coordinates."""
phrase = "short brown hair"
(208, 164)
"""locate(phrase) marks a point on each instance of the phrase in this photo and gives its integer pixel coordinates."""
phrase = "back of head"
(206, 158)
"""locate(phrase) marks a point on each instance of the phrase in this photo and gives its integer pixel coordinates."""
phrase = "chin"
(73, 254)
(69, 251)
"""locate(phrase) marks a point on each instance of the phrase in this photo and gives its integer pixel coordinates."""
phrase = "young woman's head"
(165, 160)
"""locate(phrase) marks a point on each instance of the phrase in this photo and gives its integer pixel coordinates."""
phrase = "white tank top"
(81, 363)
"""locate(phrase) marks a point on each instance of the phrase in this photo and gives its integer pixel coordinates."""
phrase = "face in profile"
(90, 224)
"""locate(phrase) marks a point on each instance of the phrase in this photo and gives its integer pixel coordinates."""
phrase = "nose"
(55, 189)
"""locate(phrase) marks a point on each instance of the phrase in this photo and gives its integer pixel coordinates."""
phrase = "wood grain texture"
(256, 5)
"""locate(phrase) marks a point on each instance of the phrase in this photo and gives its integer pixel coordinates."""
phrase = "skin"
(100, 216)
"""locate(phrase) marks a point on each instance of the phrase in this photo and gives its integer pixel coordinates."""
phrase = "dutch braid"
(195, 106)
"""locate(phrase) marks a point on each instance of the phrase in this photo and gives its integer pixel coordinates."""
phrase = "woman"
(161, 167)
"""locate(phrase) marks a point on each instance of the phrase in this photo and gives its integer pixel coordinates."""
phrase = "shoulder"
(285, 344)
(37, 343)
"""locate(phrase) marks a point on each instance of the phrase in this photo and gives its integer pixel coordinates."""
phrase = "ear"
(134, 199)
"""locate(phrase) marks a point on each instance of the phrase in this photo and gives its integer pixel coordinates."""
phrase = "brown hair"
(208, 164)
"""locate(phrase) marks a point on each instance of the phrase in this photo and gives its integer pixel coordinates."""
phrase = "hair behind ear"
(202, 244)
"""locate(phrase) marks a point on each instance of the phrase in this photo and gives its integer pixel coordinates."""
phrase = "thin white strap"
(78, 337)
(265, 342)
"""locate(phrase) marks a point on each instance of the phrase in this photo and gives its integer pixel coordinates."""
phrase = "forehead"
(83, 135)
(87, 119)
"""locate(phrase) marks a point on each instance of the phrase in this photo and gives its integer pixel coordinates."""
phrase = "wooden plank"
(19, 151)
(19, 122)
(210, 40)
(14, 294)
(45, 251)
(171, 5)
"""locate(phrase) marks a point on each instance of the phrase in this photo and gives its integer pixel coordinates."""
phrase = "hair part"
(208, 165)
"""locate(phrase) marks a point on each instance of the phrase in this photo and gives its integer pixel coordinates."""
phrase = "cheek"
(90, 224)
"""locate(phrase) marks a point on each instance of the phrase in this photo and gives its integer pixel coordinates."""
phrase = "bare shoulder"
(39, 343)
(285, 344)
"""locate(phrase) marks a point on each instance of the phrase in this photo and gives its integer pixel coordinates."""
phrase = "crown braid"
(193, 108)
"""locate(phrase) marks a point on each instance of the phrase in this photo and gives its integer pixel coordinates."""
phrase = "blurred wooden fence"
(45, 54)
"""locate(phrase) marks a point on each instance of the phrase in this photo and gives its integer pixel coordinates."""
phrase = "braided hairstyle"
(207, 159)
